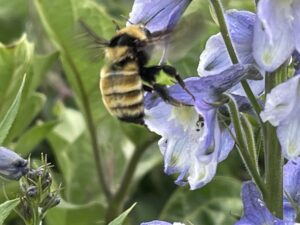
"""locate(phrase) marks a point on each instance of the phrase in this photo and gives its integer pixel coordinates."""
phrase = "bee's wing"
(95, 37)
(89, 40)
(174, 44)
(186, 35)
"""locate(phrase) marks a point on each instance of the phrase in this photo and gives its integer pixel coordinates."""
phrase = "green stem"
(273, 159)
(116, 204)
(242, 147)
(36, 218)
(250, 140)
(83, 99)
(233, 56)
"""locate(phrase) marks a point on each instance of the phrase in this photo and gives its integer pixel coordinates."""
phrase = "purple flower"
(158, 15)
(193, 142)
(282, 111)
(158, 222)
(276, 32)
(255, 210)
(12, 166)
(215, 58)
(291, 186)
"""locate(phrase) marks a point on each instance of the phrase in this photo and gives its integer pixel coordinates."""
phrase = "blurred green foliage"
(61, 114)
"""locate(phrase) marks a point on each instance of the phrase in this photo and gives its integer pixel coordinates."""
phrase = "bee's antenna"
(127, 19)
(117, 25)
(152, 17)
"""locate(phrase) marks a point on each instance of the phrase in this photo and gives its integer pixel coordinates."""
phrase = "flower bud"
(12, 166)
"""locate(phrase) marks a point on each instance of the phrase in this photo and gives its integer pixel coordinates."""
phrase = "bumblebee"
(122, 78)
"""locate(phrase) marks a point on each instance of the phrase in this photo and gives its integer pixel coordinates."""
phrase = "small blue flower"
(193, 142)
(215, 58)
(282, 110)
(255, 210)
(158, 15)
(158, 222)
(276, 32)
(12, 166)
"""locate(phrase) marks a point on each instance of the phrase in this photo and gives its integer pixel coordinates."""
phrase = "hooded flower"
(282, 110)
(255, 210)
(276, 32)
(12, 166)
(193, 141)
(215, 58)
(157, 15)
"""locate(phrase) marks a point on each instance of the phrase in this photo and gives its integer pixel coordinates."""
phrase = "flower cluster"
(195, 138)
(37, 194)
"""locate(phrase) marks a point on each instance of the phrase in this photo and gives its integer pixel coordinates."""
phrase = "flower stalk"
(242, 146)
(217, 5)
(273, 158)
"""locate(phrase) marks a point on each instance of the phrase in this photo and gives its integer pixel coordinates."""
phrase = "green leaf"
(6, 208)
(30, 107)
(31, 138)
(10, 116)
(215, 204)
(121, 218)
(40, 66)
(67, 213)
(15, 60)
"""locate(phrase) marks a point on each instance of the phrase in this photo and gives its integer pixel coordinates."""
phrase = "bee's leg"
(172, 72)
(148, 74)
(147, 88)
(162, 91)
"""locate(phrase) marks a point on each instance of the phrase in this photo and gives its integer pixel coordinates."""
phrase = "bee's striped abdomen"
(122, 94)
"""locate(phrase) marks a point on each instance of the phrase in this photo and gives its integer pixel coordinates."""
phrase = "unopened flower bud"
(12, 166)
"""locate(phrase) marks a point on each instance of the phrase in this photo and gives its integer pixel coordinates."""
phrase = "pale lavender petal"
(288, 134)
(283, 102)
(163, 15)
(282, 110)
(227, 143)
(296, 23)
(291, 180)
(289, 213)
(215, 58)
(182, 143)
(273, 34)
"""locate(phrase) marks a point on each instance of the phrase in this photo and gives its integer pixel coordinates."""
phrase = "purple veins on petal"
(157, 15)
(12, 166)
